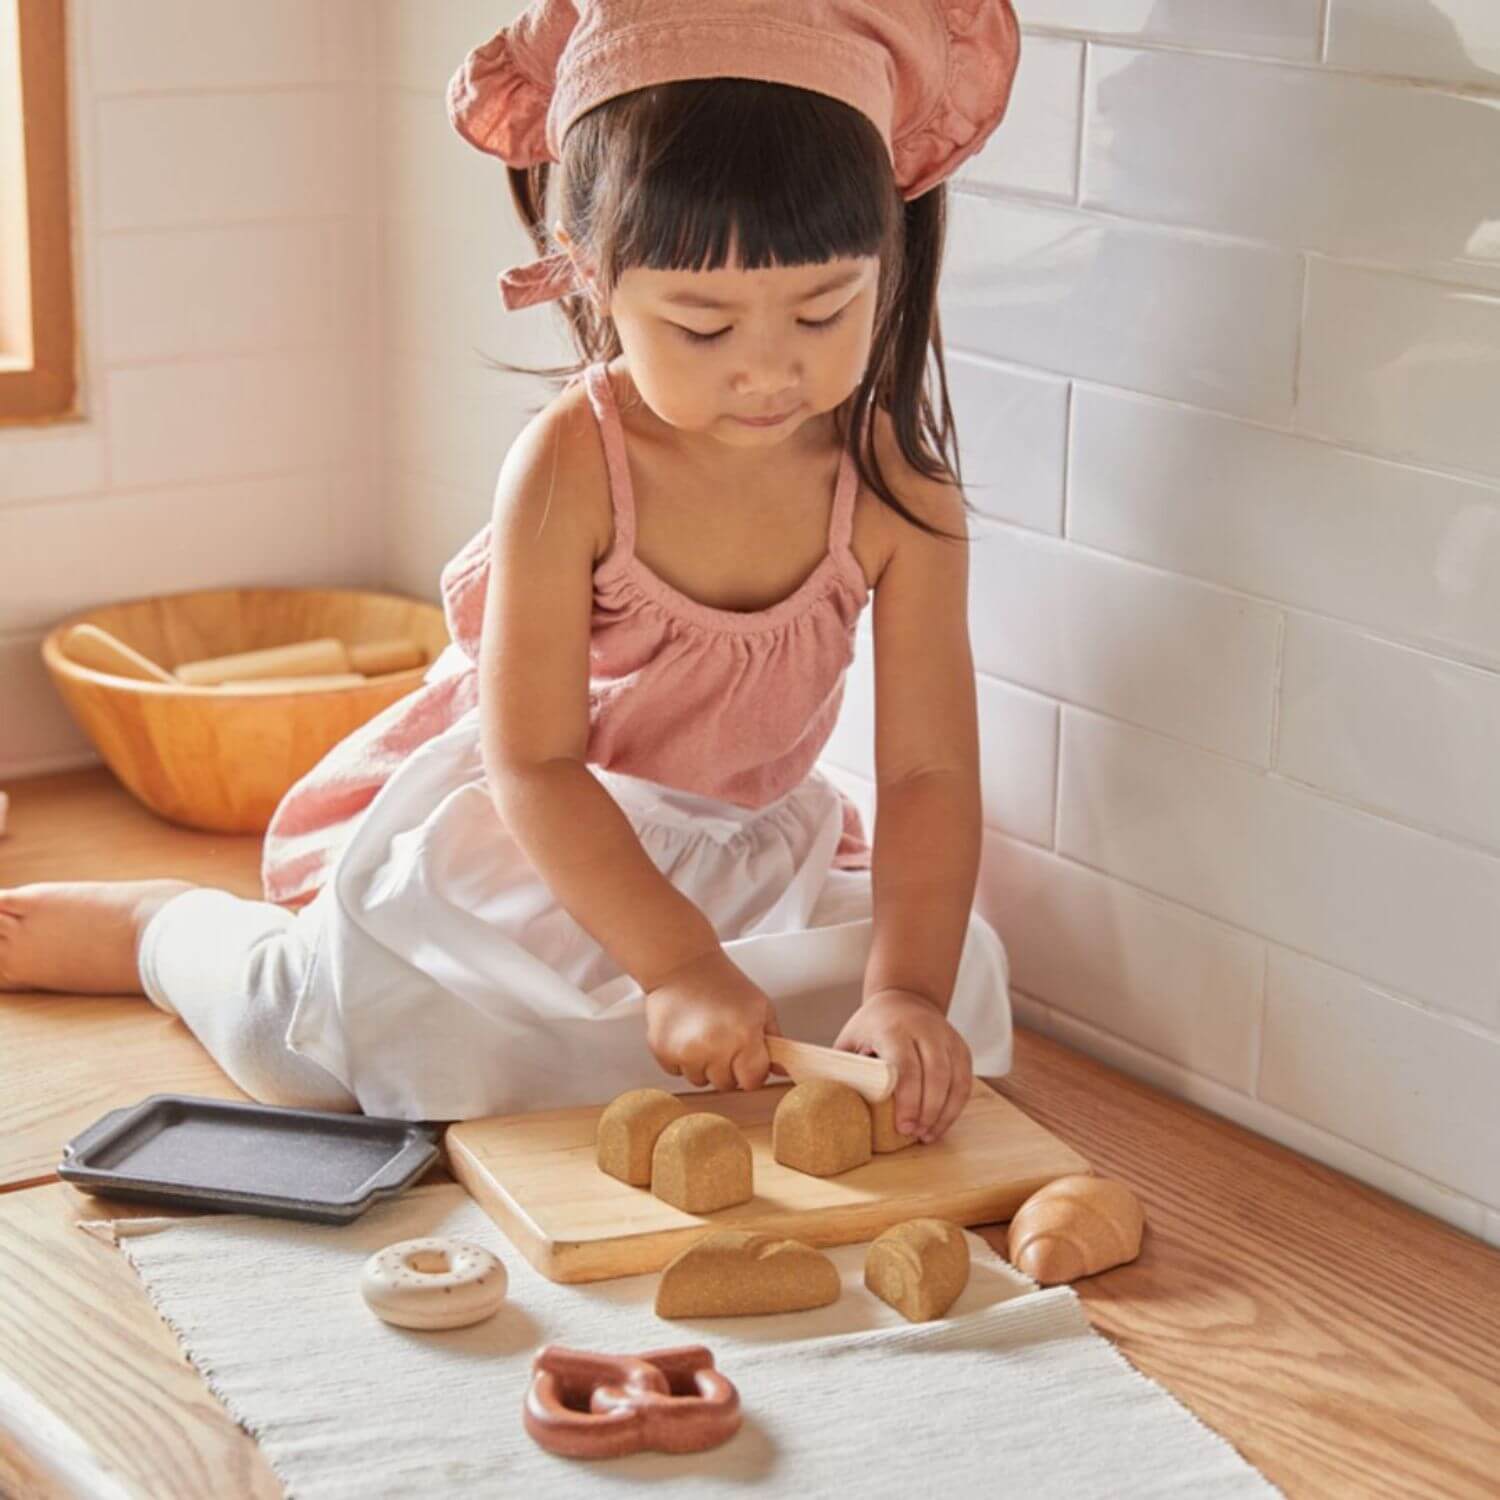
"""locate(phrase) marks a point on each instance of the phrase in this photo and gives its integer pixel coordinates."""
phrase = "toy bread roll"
(884, 1137)
(702, 1163)
(734, 1273)
(628, 1130)
(1075, 1227)
(919, 1267)
(821, 1128)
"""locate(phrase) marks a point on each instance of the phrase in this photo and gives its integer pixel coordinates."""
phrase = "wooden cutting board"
(536, 1177)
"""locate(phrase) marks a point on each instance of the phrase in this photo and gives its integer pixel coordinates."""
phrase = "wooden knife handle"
(871, 1076)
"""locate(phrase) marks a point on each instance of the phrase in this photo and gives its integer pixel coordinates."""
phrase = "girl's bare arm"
(534, 708)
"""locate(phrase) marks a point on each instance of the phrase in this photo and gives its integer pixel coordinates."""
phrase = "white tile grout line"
(1057, 779)
(1258, 1037)
(1083, 121)
(1300, 335)
(1067, 459)
(1277, 671)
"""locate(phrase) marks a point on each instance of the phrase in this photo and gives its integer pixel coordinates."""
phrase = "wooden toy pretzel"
(583, 1405)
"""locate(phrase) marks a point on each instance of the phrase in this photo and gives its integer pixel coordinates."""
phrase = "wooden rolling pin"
(100, 651)
(872, 1077)
(326, 656)
(267, 685)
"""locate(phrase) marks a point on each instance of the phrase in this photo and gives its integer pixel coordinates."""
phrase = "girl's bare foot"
(79, 938)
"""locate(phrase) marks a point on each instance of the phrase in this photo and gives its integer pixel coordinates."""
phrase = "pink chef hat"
(933, 75)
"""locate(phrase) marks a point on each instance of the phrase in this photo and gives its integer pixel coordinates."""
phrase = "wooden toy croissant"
(1074, 1227)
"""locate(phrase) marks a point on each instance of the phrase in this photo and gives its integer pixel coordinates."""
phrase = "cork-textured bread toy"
(919, 1267)
(733, 1273)
(821, 1128)
(628, 1130)
(702, 1163)
(884, 1137)
(1074, 1227)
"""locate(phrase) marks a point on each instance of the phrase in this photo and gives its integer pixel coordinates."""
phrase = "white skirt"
(436, 977)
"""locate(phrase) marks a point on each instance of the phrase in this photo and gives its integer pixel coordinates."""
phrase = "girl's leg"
(232, 970)
(78, 938)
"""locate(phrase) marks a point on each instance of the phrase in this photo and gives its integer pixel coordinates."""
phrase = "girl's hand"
(707, 1022)
(934, 1068)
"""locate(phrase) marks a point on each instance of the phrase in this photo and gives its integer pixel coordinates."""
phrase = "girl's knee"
(983, 945)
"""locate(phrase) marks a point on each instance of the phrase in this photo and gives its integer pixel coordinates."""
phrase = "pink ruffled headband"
(933, 75)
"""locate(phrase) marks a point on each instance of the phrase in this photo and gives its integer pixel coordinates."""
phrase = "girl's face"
(710, 351)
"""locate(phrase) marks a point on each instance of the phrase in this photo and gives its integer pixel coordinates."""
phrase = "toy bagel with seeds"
(436, 1282)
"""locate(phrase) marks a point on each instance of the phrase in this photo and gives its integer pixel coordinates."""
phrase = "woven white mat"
(1011, 1394)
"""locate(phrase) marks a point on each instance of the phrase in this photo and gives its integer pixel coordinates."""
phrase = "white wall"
(1223, 300)
(225, 239)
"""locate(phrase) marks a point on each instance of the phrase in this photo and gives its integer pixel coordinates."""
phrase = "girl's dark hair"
(675, 176)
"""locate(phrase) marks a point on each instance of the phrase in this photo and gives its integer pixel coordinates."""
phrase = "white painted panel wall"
(224, 235)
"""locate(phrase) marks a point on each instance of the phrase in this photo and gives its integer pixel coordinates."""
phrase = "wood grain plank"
(85, 1344)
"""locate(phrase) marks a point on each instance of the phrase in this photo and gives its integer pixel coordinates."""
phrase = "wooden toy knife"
(872, 1077)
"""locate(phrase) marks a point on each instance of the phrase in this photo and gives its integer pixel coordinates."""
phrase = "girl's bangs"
(729, 181)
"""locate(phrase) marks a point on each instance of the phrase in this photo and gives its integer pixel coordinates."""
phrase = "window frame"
(46, 390)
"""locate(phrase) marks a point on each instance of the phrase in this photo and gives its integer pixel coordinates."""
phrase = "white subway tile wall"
(1259, 574)
(226, 245)
(1222, 307)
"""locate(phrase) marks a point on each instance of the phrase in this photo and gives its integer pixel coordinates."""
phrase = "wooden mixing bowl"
(221, 758)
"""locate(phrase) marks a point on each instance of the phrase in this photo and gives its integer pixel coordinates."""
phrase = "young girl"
(594, 852)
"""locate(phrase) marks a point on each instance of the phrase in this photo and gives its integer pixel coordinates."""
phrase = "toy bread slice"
(732, 1273)
(919, 1267)
(701, 1163)
(884, 1136)
(628, 1129)
(1074, 1227)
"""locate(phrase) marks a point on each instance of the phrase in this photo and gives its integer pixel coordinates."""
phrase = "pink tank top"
(730, 704)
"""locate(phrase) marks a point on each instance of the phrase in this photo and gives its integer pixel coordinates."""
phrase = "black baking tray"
(189, 1152)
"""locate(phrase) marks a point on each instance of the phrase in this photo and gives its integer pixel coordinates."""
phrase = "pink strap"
(622, 496)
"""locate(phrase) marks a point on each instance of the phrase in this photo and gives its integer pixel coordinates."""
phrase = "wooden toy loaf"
(1075, 1227)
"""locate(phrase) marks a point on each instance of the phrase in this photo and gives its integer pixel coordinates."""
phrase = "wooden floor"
(1347, 1345)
